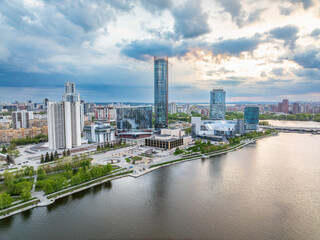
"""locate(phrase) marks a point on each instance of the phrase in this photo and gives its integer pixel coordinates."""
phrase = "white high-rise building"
(64, 120)
(21, 119)
(173, 107)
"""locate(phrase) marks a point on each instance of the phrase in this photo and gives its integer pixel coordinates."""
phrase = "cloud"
(307, 73)
(308, 59)
(306, 3)
(287, 33)
(144, 49)
(315, 33)
(278, 71)
(155, 6)
(190, 20)
(234, 47)
(286, 11)
(238, 15)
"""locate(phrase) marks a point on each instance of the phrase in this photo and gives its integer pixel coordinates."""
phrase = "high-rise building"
(285, 106)
(295, 108)
(134, 118)
(64, 120)
(45, 103)
(161, 92)
(21, 119)
(173, 107)
(217, 104)
(70, 93)
(251, 117)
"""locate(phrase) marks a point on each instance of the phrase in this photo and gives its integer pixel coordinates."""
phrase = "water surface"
(268, 190)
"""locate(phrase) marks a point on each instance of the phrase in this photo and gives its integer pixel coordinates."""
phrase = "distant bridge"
(315, 130)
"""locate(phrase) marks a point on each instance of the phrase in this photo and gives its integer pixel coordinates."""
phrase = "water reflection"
(58, 203)
(26, 214)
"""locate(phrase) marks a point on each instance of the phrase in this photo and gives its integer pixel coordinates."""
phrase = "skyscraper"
(161, 92)
(251, 117)
(64, 122)
(70, 93)
(217, 104)
(285, 105)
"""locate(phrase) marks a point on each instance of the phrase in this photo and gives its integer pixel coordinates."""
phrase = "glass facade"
(217, 104)
(251, 118)
(161, 92)
(134, 118)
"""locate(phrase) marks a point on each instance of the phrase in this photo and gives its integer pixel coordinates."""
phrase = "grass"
(81, 185)
(4, 212)
(178, 160)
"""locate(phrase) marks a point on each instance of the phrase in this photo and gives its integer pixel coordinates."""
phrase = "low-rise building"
(99, 133)
(213, 129)
(12, 134)
(168, 139)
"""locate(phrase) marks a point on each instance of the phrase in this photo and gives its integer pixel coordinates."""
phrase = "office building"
(99, 133)
(168, 139)
(21, 119)
(161, 92)
(251, 117)
(134, 118)
(45, 103)
(295, 108)
(217, 104)
(285, 106)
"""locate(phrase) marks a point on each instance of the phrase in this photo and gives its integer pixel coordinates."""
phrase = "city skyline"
(264, 51)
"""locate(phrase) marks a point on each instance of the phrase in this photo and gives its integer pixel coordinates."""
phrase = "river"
(267, 190)
(280, 123)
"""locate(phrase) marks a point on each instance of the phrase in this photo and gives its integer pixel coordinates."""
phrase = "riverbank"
(45, 200)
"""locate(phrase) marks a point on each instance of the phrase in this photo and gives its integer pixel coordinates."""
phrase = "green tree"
(64, 153)
(41, 174)
(47, 157)
(56, 155)
(4, 150)
(68, 152)
(42, 159)
(8, 178)
(5, 200)
(51, 157)
(25, 195)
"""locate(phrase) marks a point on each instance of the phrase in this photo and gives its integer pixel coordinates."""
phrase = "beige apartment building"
(12, 134)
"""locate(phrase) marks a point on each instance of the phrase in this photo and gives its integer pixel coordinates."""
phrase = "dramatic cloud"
(287, 33)
(143, 50)
(106, 47)
(190, 20)
(235, 46)
(156, 6)
(315, 33)
(308, 59)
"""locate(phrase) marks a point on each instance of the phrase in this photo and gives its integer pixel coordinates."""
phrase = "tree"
(56, 155)
(41, 174)
(12, 147)
(4, 150)
(64, 153)
(98, 148)
(47, 158)
(25, 194)
(42, 159)
(51, 156)
(5, 200)
(9, 159)
(68, 152)
(8, 178)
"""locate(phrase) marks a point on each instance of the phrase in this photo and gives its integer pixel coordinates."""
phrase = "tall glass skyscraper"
(217, 104)
(251, 117)
(134, 118)
(161, 92)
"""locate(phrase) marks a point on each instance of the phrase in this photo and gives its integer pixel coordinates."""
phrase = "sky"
(257, 50)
